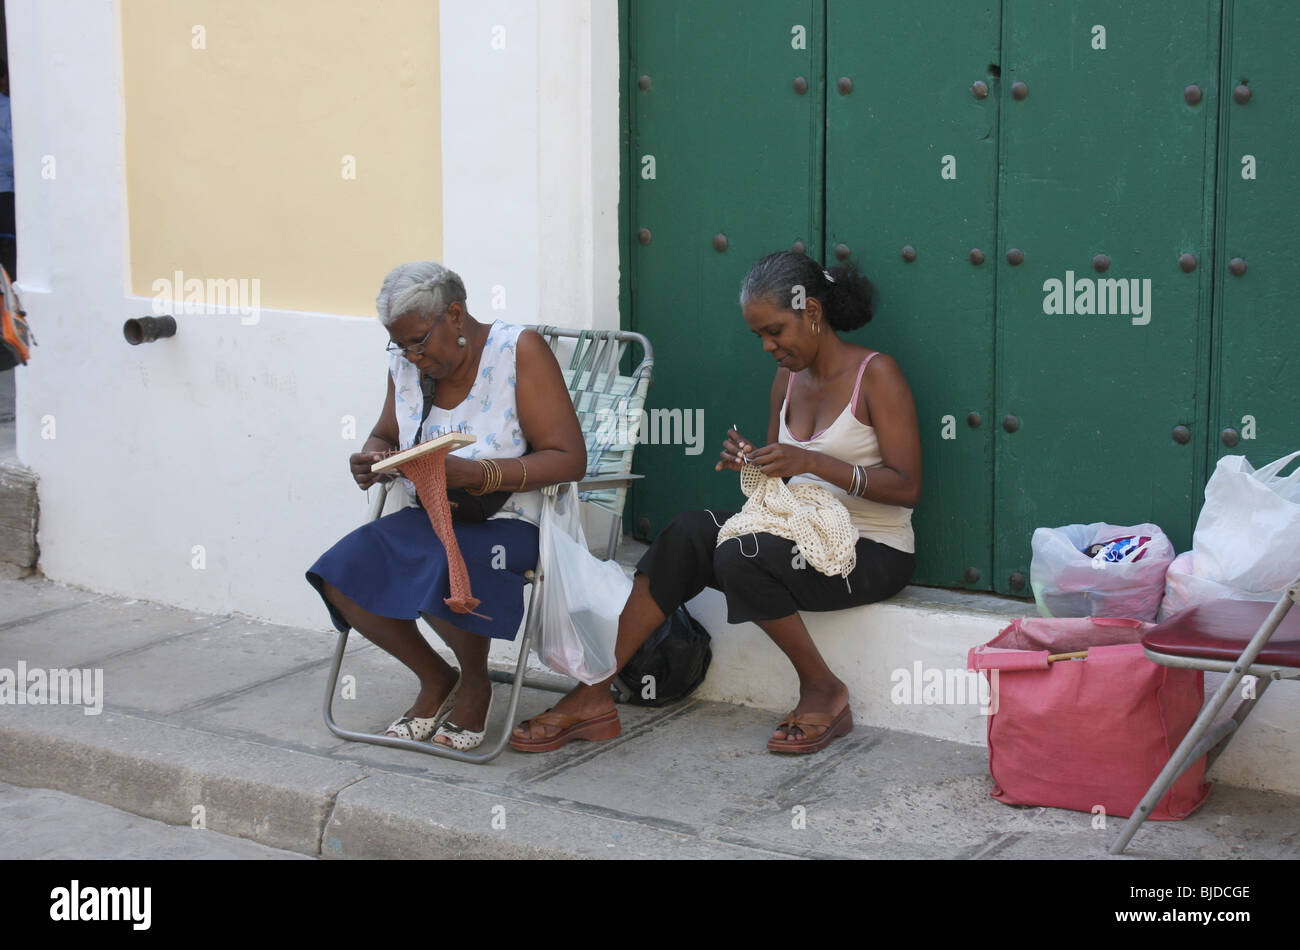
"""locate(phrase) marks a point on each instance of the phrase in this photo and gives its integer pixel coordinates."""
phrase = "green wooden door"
(1257, 341)
(911, 181)
(1107, 171)
(724, 166)
(1034, 187)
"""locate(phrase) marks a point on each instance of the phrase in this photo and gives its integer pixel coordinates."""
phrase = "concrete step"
(8, 395)
(19, 510)
(18, 501)
(887, 651)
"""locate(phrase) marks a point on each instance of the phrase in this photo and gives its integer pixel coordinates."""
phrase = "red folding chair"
(1217, 637)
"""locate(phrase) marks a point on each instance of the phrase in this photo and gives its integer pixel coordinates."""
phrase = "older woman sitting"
(502, 384)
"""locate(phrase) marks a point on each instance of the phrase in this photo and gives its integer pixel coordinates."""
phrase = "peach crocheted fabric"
(429, 474)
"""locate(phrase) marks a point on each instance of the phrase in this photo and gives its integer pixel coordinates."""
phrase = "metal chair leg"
(335, 665)
(615, 536)
(1182, 756)
(433, 748)
(1244, 709)
(1221, 733)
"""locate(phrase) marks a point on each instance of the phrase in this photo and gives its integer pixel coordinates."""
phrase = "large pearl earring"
(461, 340)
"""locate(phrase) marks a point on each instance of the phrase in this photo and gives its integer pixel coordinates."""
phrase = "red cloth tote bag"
(1085, 732)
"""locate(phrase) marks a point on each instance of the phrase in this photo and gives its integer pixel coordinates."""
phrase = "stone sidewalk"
(221, 715)
(42, 824)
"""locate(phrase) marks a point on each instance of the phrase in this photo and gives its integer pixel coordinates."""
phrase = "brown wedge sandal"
(571, 727)
(832, 727)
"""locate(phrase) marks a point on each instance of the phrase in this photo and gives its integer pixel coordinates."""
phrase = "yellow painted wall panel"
(239, 117)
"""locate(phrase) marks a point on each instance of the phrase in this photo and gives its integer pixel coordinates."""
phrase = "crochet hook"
(744, 458)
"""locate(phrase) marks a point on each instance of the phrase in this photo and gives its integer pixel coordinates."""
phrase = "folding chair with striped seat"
(609, 406)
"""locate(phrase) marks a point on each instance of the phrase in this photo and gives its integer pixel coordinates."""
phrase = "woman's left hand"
(778, 460)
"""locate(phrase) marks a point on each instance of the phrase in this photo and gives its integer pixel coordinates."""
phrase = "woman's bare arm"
(382, 438)
(559, 452)
(385, 429)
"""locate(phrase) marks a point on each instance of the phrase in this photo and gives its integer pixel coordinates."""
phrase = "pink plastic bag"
(1087, 732)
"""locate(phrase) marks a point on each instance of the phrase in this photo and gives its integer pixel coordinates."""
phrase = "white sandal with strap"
(461, 739)
(419, 729)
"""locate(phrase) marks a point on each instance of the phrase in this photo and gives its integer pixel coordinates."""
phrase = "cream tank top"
(489, 413)
(849, 440)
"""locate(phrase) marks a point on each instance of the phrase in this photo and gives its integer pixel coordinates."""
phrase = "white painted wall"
(231, 436)
(531, 160)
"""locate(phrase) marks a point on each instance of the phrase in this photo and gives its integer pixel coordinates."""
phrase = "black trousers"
(762, 576)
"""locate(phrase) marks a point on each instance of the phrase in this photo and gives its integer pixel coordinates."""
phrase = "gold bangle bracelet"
(492, 478)
(525, 475)
(479, 490)
(487, 478)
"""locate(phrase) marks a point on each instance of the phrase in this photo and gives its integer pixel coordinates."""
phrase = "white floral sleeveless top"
(489, 412)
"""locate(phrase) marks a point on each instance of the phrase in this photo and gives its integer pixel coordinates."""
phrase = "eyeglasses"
(418, 348)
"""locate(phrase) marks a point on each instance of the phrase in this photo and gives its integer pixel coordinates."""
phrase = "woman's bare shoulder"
(531, 349)
(881, 365)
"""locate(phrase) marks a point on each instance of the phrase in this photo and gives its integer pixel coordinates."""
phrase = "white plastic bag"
(582, 596)
(1184, 588)
(1248, 533)
(1247, 540)
(1067, 583)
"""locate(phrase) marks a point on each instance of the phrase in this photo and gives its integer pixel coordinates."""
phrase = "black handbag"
(668, 666)
(464, 506)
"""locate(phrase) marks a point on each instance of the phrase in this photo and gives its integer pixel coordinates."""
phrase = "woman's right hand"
(463, 473)
(734, 446)
(360, 463)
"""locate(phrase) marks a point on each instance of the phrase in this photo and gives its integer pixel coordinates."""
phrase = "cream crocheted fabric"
(806, 514)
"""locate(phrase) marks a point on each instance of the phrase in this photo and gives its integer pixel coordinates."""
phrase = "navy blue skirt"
(397, 567)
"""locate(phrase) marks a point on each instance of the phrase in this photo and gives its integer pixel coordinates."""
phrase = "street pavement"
(220, 717)
(43, 823)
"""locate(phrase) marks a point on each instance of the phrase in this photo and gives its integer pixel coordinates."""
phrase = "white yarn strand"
(719, 526)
